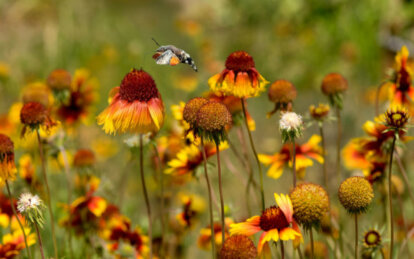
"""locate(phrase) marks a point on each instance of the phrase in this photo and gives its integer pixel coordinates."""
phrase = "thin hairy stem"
(282, 249)
(312, 244)
(29, 254)
(255, 155)
(49, 198)
(40, 241)
(390, 198)
(356, 236)
(210, 202)
(223, 225)
(338, 145)
(144, 188)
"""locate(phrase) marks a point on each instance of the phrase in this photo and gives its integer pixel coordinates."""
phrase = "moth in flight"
(171, 55)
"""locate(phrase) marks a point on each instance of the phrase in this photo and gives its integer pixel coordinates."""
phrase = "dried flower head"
(238, 246)
(191, 109)
(282, 93)
(355, 194)
(320, 112)
(240, 77)
(136, 106)
(212, 119)
(7, 165)
(396, 118)
(333, 86)
(84, 158)
(31, 206)
(310, 203)
(291, 126)
(59, 79)
(34, 115)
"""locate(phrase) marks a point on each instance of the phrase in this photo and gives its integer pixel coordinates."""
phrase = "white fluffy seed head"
(290, 121)
(28, 201)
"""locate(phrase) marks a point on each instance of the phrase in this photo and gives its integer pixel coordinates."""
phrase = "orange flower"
(401, 89)
(81, 97)
(35, 115)
(192, 206)
(240, 77)
(275, 222)
(304, 155)
(7, 166)
(136, 106)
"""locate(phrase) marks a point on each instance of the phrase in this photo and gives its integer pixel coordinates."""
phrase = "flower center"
(33, 113)
(272, 218)
(138, 85)
(6, 145)
(372, 238)
(239, 61)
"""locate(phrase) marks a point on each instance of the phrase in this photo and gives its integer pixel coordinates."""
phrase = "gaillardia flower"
(238, 246)
(291, 126)
(282, 93)
(7, 166)
(333, 86)
(212, 120)
(310, 203)
(136, 106)
(191, 109)
(320, 112)
(304, 155)
(240, 77)
(34, 115)
(355, 194)
(204, 239)
(396, 118)
(275, 222)
(372, 242)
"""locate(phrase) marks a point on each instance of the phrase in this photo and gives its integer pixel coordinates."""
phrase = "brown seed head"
(191, 109)
(138, 85)
(6, 145)
(310, 203)
(33, 114)
(282, 91)
(239, 61)
(355, 194)
(238, 246)
(59, 79)
(213, 116)
(334, 83)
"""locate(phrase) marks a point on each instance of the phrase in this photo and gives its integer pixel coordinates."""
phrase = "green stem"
(40, 240)
(210, 203)
(338, 145)
(223, 225)
(144, 188)
(312, 244)
(282, 249)
(29, 254)
(255, 155)
(49, 198)
(356, 236)
(390, 198)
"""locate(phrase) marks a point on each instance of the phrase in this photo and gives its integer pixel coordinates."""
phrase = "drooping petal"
(248, 228)
(288, 234)
(285, 204)
(266, 237)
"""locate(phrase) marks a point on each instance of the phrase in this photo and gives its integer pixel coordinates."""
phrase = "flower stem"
(404, 175)
(210, 203)
(223, 226)
(294, 161)
(144, 188)
(390, 197)
(282, 249)
(312, 245)
(40, 240)
(29, 254)
(325, 174)
(356, 236)
(49, 198)
(338, 145)
(255, 155)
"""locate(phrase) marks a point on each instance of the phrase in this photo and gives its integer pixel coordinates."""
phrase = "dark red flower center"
(273, 218)
(138, 85)
(33, 113)
(239, 61)
(6, 145)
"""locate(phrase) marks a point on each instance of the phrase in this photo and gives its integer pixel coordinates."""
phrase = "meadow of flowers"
(279, 130)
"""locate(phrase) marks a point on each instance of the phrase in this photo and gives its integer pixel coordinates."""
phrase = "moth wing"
(164, 58)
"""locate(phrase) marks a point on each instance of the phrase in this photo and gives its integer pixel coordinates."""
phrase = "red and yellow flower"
(204, 240)
(304, 155)
(136, 106)
(401, 89)
(240, 77)
(7, 165)
(275, 222)
(192, 206)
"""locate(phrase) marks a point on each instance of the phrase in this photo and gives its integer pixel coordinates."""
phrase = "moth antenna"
(156, 42)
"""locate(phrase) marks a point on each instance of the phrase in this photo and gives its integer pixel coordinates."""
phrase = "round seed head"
(238, 246)
(355, 194)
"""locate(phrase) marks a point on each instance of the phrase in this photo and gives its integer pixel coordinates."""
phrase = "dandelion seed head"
(290, 121)
(28, 201)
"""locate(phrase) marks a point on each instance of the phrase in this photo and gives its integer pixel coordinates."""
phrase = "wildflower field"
(206, 129)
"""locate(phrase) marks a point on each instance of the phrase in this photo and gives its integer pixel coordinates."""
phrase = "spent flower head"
(282, 93)
(212, 120)
(31, 207)
(355, 194)
(333, 86)
(238, 246)
(291, 126)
